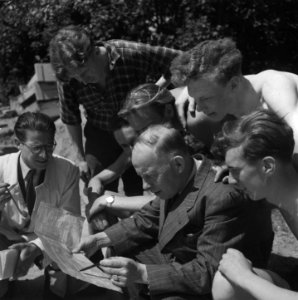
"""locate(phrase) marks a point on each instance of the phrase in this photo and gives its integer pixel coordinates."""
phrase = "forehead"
(204, 86)
(38, 137)
(234, 157)
(144, 159)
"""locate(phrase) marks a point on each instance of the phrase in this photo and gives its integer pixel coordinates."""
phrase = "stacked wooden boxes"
(40, 94)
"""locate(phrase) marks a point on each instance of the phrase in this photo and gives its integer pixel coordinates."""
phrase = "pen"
(91, 266)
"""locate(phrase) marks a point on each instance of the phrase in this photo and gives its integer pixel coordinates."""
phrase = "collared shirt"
(24, 168)
(130, 63)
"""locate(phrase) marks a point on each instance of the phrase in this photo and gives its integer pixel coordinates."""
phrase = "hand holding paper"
(92, 243)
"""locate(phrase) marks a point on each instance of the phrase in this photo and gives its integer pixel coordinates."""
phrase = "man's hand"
(99, 222)
(84, 171)
(222, 174)
(90, 244)
(183, 101)
(95, 189)
(98, 206)
(4, 194)
(28, 252)
(124, 271)
(96, 203)
(235, 267)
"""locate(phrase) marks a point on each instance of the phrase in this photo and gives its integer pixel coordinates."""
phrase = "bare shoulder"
(277, 78)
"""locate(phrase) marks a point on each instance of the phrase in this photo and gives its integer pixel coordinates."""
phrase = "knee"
(221, 288)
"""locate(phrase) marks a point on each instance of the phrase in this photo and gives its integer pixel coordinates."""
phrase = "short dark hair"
(150, 95)
(70, 47)
(261, 133)
(218, 59)
(33, 121)
(163, 140)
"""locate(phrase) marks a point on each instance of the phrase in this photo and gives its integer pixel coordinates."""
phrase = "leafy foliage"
(265, 30)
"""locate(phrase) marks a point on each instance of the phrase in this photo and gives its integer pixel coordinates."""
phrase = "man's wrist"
(143, 273)
(109, 200)
(102, 240)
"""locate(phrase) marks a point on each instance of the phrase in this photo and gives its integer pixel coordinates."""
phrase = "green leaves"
(265, 31)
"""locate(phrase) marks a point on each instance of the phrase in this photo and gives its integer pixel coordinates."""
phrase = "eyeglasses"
(49, 148)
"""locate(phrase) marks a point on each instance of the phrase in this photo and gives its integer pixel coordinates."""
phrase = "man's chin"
(41, 164)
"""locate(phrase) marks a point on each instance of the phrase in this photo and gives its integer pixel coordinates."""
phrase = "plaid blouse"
(130, 63)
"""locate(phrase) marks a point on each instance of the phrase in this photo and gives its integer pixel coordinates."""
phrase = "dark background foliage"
(265, 30)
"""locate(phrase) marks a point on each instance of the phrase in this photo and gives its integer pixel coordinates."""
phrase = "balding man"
(178, 239)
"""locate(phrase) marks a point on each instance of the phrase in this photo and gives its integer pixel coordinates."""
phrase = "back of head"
(34, 121)
(259, 134)
(70, 47)
(163, 140)
(147, 95)
(216, 59)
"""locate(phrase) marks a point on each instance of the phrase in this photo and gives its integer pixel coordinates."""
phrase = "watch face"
(110, 199)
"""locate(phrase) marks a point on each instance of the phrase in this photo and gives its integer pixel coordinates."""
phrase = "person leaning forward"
(98, 76)
(177, 240)
(32, 175)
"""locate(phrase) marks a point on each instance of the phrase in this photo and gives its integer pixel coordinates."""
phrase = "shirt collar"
(24, 168)
(112, 52)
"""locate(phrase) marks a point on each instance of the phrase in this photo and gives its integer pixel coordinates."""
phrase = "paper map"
(60, 231)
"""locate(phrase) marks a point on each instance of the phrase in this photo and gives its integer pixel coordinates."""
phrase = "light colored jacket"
(60, 188)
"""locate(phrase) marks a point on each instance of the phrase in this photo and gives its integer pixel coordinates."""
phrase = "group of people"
(190, 236)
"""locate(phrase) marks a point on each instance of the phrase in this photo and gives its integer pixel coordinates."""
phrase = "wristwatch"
(110, 200)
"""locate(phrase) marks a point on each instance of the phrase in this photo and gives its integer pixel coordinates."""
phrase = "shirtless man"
(211, 72)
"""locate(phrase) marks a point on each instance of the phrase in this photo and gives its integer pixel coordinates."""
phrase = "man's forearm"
(132, 204)
(262, 289)
(162, 82)
(75, 132)
(115, 170)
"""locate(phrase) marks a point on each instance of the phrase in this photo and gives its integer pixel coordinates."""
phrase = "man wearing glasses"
(28, 177)
(99, 76)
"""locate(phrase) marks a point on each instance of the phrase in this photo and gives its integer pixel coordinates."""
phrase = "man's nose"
(199, 105)
(43, 153)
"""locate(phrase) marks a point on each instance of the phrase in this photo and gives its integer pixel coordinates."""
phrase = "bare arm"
(162, 82)
(279, 91)
(262, 289)
(121, 203)
(115, 170)
(75, 132)
(238, 270)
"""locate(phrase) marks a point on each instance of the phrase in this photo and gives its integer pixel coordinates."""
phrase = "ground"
(285, 248)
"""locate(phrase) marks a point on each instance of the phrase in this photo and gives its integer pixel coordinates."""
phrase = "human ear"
(268, 165)
(17, 142)
(178, 163)
(234, 82)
